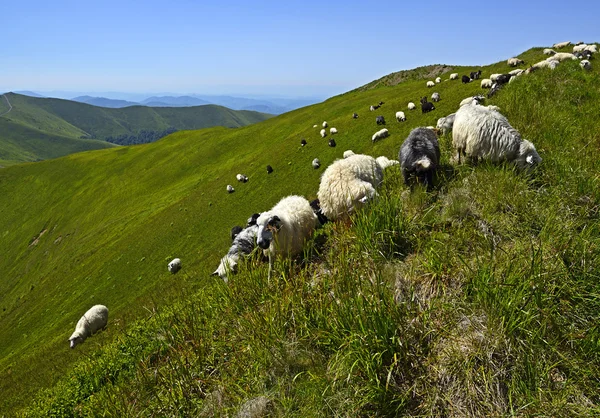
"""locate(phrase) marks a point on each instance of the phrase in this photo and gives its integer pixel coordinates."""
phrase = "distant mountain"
(104, 102)
(29, 93)
(274, 110)
(172, 101)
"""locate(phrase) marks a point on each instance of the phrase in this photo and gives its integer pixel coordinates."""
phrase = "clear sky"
(294, 48)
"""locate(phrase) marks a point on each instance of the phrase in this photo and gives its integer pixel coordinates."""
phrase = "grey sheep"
(419, 156)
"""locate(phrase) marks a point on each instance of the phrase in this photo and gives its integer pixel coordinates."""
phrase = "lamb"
(93, 320)
(316, 163)
(562, 56)
(323, 133)
(445, 124)
(243, 178)
(486, 83)
(419, 156)
(513, 62)
(230, 188)
(435, 97)
(283, 230)
(333, 131)
(324, 124)
(380, 120)
(454, 76)
(426, 106)
(348, 153)
(561, 44)
(400, 116)
(430, 84)
(480, 132)
(466, 79)
(174, 266)
(303, 142)
(549, 51)
(242, 244)
(438, 80)
(383, 133)
(347, 184)
(269, 169)
(411, 106)
(332, 143)
(468, 100)
(586, 65)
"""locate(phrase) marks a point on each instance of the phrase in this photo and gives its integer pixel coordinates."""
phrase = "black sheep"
(380, 120)
(426, 106)
(332, 142)
(419, 156)
(269, 169)
(303, 142)
(466, 79)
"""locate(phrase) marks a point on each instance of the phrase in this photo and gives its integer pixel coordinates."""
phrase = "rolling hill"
(479, 298)
(43, 128)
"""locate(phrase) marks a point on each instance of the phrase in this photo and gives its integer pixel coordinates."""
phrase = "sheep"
(585, 64)
(316, 163)
(475, 75)
(93, 320)
(503, 79)
(373, 108)
(549, 51)
(381, 103)
(348, 153)
(513, 62)
(314, 126)
(562, 56)
(400, 116)
(332, 131)
(551, 63)
(332, 143)
(517, 72)
(468, 100)
(579, 43)
(242, 244)
(303, 142)
(323, 133)
(384, 162)
(230, 188)
(591, 48)
(495, 88)
(430, 84)
(438, 80)
(466, 79)
(445, 124)
(174, 265)
(269, 169)
(480, 132)
(584, 54)
(283, 229)
(380, 135)
(578, 48)
(411, 106)
(355, 115)
(453, 76)
(419, 156)
(324, 124)
(561, 44)
(235, 231)
(494, 76)
(435, 97)
(347, 184)
(486, 83)
(316, 207)
(242, 178)
(380, 120)
(426, 106)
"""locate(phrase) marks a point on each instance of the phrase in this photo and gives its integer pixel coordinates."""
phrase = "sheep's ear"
(275, 222)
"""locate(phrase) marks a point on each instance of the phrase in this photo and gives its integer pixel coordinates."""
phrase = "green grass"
(479, 298)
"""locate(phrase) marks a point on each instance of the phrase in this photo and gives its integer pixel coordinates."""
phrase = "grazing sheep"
(373, 108)
(411, 106)
(579, 43)
(230, 188)
(561, 44)
(93, 320)
(479, 99)
(551, 63)
(332, 131)
(419, 156)
(580, 47)
(235, 231)
(400, 116)
(503, 79)
(355, 115)
(347, 184)
(283, 229)
(332, 143)
(435, 97)
(316, 207)
(493, 77)
(242, 244)
(438, 80)
(466, 79)
(445, 124)
(591, 48)
(480, 132)
(486, 83)
(324, 124)
(380, 120)
(454, 76)
(495, 89)
(585, 64)
(316, 163)
(174, 265)
(380, 135)
(562, 56)
(475, 75)
(242, 178)
(269, 169)
(549, 51)
(426, 106)
(517, 72)
(513, 62)
(430, 84)
(348, 153)
(323, 133)
(303, 142)
(584, 54)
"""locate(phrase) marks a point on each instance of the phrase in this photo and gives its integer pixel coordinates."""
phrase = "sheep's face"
(73, 341)
(528, 156)
(267, 231)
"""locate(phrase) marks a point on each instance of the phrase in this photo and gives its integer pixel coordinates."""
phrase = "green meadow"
(478, 298)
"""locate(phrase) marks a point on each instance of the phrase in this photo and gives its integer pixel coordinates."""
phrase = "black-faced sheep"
(411, 106)
(241, 178)
(383, 133)
(93, 320)
(400, 116)
(323, 133)
(355, 115)
(174, 265)
(466, 79)
(242, 244)
(316, 163)
(332, 143)
(380, 120)
(419, 156)
(481, 132)
(230, 188)
(324, 124)
(586, 65)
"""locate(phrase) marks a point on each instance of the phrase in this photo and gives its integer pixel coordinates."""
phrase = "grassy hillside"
(43, 128)
(477, 299)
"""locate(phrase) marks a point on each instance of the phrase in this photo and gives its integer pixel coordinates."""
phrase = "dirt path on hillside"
(9, 106)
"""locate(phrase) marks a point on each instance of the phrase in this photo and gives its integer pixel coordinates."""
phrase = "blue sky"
(289, 48)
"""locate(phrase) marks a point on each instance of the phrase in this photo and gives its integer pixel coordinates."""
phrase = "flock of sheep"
(478, 132)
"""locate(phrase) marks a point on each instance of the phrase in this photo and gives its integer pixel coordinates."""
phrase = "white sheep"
(400, 116)
(552, 64)
(486, 83)
(513, 62)
(454, 76)
(93, 320)
(438, 80)
(480, 132)
(561, 44)
(430, 84)
(383, 133)
(333, 131)
(435, 97)
(494, 77)
(516, 73)
(445, 124)
(243, 244)
(562, 56)
(579, 48)
(347, 184)
(324, 124)
(384, 162)
(323, 133)
(315, 126)
(174, 265)
(471, 99)
(592, 48)
(230, 188)
(283, 230)
(348, 153)
(242, 178)
(411, 106)
(316, 163)
(585, 64)
(549, 51)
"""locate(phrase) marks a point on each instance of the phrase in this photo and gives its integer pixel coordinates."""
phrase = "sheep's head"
(528, 156)
(268, 226)
(228, 265)
(75, 339)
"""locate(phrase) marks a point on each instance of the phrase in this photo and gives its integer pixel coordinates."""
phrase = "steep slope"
(100, 227)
